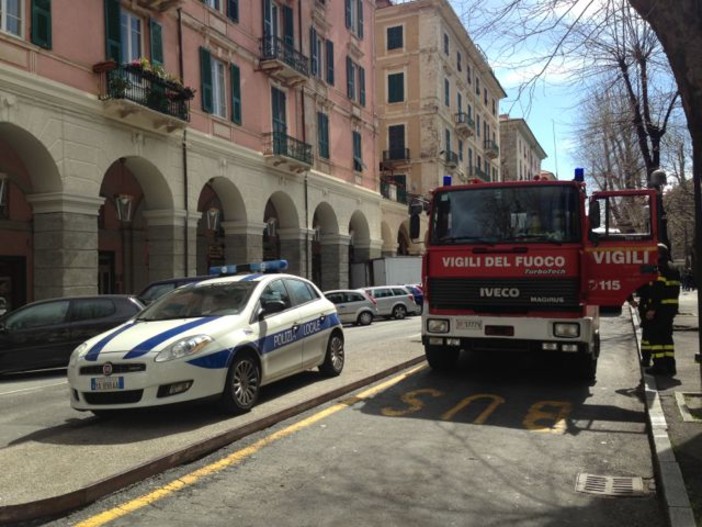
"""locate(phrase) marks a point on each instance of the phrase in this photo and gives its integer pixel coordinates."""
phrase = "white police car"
(222, 338)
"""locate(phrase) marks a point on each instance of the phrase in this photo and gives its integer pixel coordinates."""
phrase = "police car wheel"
(399, 312)
(243, 384)
(335, 356)
(365, 318)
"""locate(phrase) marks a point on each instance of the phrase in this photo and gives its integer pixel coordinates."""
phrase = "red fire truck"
(529, 265)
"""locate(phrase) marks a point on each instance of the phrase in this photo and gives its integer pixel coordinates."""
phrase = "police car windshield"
(200, 300)
(529, 214)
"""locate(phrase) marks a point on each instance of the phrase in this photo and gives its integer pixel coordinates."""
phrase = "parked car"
(3, 305)
(221, 339)
(393, 301)
(354, 306)
(418, 295)
(160, 287)
(43, 334)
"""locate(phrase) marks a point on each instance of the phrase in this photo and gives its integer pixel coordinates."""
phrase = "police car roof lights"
(268, 266)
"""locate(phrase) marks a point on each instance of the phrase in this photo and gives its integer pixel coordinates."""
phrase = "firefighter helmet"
(663, 252)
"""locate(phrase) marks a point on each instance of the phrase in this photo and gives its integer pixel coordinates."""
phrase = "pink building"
(145, 139)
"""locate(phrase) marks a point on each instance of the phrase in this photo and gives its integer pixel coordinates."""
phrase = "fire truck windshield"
(529, 214)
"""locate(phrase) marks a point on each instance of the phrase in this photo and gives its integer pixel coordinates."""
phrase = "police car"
(222, 338)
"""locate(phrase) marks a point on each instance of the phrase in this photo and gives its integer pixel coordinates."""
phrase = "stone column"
(243, 242)
(295, 247)
(65, 244)
(166, 247)
(335, 261)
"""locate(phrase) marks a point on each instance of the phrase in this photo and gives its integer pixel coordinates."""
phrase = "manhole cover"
(610, 485)
(690, 406)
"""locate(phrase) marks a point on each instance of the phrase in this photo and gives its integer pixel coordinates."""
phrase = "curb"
(55, 506)
(666, 466)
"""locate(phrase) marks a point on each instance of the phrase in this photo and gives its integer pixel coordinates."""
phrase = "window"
(447, 92)
(396, 141)
(356, 91)
(477, 85)
(460, 150)
(446, 44)
(11, 17)
(477, 125)
(394, 38)
(41, 23)
(46, 314)
(300, 292)
(91, 309)
(323, 135)
(219, 94)
(213, 85)
(354, 16)
(469, 76)
(459, 102)
(321, 57)
(276, 292)
(485, 97)
(357, 153)
(235, 76)
(459, 61)
(214, 4)
(396, 87)
(131, 36)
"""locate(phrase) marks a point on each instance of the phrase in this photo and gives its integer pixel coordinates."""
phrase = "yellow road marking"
(236, 457)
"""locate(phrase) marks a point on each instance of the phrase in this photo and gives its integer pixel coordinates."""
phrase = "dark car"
(418, 295)
(43, 334)
(160, 287)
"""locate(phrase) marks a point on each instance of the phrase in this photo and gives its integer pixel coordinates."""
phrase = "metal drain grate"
(610, 485)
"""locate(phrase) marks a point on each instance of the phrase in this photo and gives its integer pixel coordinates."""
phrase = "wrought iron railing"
(451, 158)
(281, 144)
(393, 191)
(147, 89)
(491, 148)
(275, 48)
(396, 155)
(462, 118)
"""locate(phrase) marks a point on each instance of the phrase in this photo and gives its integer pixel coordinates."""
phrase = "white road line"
(34, 389)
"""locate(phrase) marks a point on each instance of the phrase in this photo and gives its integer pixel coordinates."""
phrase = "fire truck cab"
(529, 265)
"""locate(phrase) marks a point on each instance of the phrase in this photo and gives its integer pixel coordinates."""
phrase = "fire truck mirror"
(594, 214)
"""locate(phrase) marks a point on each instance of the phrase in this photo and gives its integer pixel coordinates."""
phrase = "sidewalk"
(675, 416)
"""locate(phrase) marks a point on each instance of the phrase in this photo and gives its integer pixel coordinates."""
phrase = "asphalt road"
(501, 441)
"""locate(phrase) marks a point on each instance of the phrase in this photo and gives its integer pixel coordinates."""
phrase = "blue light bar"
(579, 174)
(269, 266)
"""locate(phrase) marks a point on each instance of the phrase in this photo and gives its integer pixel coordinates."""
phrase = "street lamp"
(124, 202)
(213, 216)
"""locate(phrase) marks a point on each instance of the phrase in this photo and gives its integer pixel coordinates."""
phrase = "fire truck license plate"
(469, 324)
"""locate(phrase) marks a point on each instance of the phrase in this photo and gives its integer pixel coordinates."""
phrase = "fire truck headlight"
(437, 325)
(566, 330)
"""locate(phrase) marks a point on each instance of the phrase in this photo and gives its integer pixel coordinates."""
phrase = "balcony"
(131, 90)
(395, 157)
(162, 6)
(479, 173)
(393, 192)
(282, 62)
(491, 149)
(281, 149)
(450, 159)
(465, 125)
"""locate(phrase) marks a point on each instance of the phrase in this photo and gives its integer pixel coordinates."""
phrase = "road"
(498, 442)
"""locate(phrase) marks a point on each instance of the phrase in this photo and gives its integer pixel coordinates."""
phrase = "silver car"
(393, 301)
(354, 306)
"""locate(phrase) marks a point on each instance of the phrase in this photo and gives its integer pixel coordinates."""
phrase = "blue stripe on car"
(97, 348)
(144, 347)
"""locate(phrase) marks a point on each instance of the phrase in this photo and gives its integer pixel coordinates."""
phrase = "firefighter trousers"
(657, 344)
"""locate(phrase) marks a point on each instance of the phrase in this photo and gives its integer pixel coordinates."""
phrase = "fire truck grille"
(504, 295)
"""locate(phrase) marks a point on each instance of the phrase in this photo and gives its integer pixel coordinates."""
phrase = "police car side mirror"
(270, 307)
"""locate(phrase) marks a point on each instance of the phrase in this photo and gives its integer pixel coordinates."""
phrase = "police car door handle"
(295, 327)
(322, 318)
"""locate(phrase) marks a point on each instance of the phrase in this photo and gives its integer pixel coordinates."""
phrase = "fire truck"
(530, 265)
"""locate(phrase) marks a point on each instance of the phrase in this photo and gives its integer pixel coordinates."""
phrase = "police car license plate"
(98, 384)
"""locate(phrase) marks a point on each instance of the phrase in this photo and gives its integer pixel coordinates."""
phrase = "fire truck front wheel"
(441, 358)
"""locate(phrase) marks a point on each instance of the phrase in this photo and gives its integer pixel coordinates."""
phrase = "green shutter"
(350, 84)
(233, 10)
(330, 62)
(113, 36)
(206, 81)
(359, 29)
(236, 93)
(156, 42)
(323, 134)
(41, 23)
(362, 85)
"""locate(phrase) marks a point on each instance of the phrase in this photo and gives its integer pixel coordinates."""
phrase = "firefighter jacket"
(662, 294)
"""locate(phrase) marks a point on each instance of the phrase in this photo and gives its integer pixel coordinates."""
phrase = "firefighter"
(658, 305)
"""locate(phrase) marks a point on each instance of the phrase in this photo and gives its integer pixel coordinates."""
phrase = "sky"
(550, 109)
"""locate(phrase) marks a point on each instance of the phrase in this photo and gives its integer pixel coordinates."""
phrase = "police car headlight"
(77, 353)
(437, 325)
(566, 329)
(184, 348)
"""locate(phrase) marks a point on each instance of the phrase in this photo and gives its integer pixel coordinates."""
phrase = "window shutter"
(155, 31)
(314, 52)
(347, 11)
(330, 62)
(288, 27)
(113, 38)
(350, 85)
(359, 29)
(206, 80)
(323, 134)
(41, 23)
(233, 10)
(362, 85)
(236, 93)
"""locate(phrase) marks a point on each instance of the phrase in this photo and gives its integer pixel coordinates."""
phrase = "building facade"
(521, 153)
(146, 139)
(437, 101)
